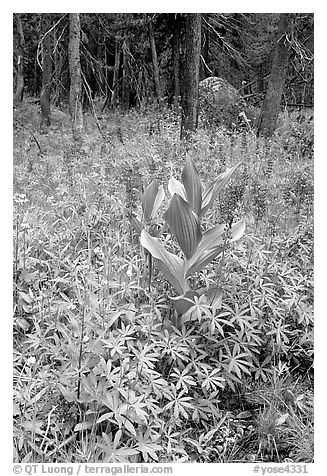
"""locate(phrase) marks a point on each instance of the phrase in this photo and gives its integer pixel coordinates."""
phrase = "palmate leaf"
(171, 266)
(214, 295)
(184, 224)
(211, 192)
(146, 444)
(192, 185)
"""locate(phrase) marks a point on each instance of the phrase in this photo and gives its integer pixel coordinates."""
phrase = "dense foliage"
(101, 373)
(235, 46)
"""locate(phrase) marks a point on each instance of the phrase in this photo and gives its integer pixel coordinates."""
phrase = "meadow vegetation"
(101, 371)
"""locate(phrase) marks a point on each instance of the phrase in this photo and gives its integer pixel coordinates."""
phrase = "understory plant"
(99, 376)
(189, 201)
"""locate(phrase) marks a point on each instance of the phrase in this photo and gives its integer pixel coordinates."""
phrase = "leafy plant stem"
(219, 271)
(250, 254)
(150, 271)
(81, 350)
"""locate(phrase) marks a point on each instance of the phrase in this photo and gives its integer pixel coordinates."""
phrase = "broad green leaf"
(192, 185)
(183, 303)
(158, 201)
(184, 223)
(171, 266)
(213, 238)
(200, 260)
(211, 193)
(237, 231)
(210, 246)
(148, 199)
(174, 186)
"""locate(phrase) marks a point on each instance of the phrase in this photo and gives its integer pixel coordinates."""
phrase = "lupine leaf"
(214, 295)
(171, 266)
(184, 224)
(192, 185)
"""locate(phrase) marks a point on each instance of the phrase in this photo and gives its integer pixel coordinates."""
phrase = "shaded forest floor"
(99, 376)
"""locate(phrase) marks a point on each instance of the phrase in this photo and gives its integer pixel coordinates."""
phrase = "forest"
(163, 238)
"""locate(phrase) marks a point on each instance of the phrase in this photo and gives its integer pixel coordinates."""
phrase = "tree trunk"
(191, 49)
(276, 82)
(19, 93)
(114, 94)
(46, 76)
(176, 47)
(75, 104)
(56, 70)
(126, 89)
(155, 63)
(204, 53)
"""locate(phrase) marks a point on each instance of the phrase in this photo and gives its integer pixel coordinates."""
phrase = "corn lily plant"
(189, 202)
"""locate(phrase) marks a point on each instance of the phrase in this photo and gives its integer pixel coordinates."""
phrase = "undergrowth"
(101, 374)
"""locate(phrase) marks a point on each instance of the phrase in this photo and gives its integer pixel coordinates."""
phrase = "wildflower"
(129, 271)
(31, 361)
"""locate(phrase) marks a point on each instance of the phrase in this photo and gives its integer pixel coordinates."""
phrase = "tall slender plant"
(188, 204)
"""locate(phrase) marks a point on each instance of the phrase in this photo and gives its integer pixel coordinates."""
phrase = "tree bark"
(126, 88)
(19, 93)
(75, 104)
(204, 52)
(114, 95)
(276, 82)
(176, 47)
(155, 64)
(46, 76)
(191, 49)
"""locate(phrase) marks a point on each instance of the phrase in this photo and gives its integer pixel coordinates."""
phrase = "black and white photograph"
(163, 241)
